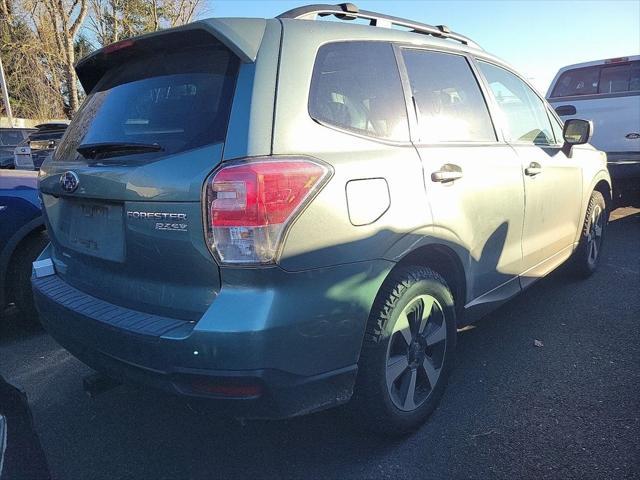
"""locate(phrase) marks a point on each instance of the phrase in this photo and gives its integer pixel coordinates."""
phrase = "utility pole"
(5, 94)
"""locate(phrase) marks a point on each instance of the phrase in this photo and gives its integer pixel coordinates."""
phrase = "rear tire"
(407, 353)
(587, 256)
(23, 257)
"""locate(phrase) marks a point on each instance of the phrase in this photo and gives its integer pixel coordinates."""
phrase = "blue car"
(22, 238)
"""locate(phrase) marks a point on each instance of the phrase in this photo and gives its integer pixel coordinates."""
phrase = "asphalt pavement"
(548, 386)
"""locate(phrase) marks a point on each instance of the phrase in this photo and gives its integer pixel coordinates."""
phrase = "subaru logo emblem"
(69, 181)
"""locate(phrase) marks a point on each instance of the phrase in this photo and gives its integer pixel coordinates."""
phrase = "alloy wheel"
(416, 351)
(594, 236)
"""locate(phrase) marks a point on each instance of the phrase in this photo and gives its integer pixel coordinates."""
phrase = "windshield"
(178, 100)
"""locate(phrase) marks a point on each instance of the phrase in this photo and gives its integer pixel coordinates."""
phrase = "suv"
(607, 92)
(9, 139)
(284, 214)
(30, 154)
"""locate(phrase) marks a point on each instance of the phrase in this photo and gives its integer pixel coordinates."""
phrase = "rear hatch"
(122, 191)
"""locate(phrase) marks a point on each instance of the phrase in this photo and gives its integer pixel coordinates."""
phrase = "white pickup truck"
(608, 93)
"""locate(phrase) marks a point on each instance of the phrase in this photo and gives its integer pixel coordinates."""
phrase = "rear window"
(601, 79)
(51, 135)
(8, 137)
(179, 100)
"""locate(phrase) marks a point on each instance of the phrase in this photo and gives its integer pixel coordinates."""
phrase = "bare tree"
(66, 17)
(113, 20)
(5, 10)
(178, 12)
(33, 83)
(40, 41)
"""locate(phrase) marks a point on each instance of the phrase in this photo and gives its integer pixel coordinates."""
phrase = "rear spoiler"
(242, 36)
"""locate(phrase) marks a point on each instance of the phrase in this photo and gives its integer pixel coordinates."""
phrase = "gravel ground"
(567, 409)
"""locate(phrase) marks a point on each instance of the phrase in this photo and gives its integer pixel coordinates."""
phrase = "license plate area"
(93, 228)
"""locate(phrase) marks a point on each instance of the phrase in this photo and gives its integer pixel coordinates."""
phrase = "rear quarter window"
(356, 86)
(179, 99)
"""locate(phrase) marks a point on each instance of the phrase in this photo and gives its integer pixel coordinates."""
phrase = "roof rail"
(348, 11)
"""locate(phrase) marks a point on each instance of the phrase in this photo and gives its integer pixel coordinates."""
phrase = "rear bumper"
(249, 355)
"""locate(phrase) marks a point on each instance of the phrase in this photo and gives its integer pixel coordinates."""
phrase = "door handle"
(447, 173)
(533, 169)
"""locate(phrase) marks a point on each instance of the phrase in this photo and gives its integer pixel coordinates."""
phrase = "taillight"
(250, 203)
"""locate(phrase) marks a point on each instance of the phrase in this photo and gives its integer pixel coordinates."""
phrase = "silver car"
(285, 215)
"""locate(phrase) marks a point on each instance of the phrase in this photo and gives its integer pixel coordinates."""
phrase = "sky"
(536, 37)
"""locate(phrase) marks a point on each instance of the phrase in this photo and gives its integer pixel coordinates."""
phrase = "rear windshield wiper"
(113, 149)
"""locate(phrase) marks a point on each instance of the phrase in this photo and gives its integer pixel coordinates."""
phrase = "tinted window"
(356, 86)
(8, 137)
(450, 105)
(50, 135)
(615, 78)
(177, 99)
(581, 81)
(524, 113)
(634, 77)
(620, 78)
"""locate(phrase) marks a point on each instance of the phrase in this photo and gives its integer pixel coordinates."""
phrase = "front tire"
(587, 256)
(408, 351)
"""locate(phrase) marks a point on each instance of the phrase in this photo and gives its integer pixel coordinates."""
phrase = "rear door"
(474, 181)
(122, 192)
(552, 181)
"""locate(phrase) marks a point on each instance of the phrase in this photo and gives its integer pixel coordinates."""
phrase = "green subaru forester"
(286, 215)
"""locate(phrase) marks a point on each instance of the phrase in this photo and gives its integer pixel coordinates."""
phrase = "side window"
(356, 86)
(524, 113)
(449, 101)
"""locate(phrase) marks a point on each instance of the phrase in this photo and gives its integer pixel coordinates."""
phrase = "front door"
(552, 180)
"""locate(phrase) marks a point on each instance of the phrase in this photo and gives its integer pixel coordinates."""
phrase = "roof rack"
(348, 11)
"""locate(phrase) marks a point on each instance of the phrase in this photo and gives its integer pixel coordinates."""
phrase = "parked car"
(40, 145)
(9, 139)
(606, 92)
(22, 238)
(21, 454)
(282, 215)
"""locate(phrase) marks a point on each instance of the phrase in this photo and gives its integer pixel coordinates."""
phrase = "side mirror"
(577, 132)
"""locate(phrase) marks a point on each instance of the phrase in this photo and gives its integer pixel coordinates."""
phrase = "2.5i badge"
(176, 227)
